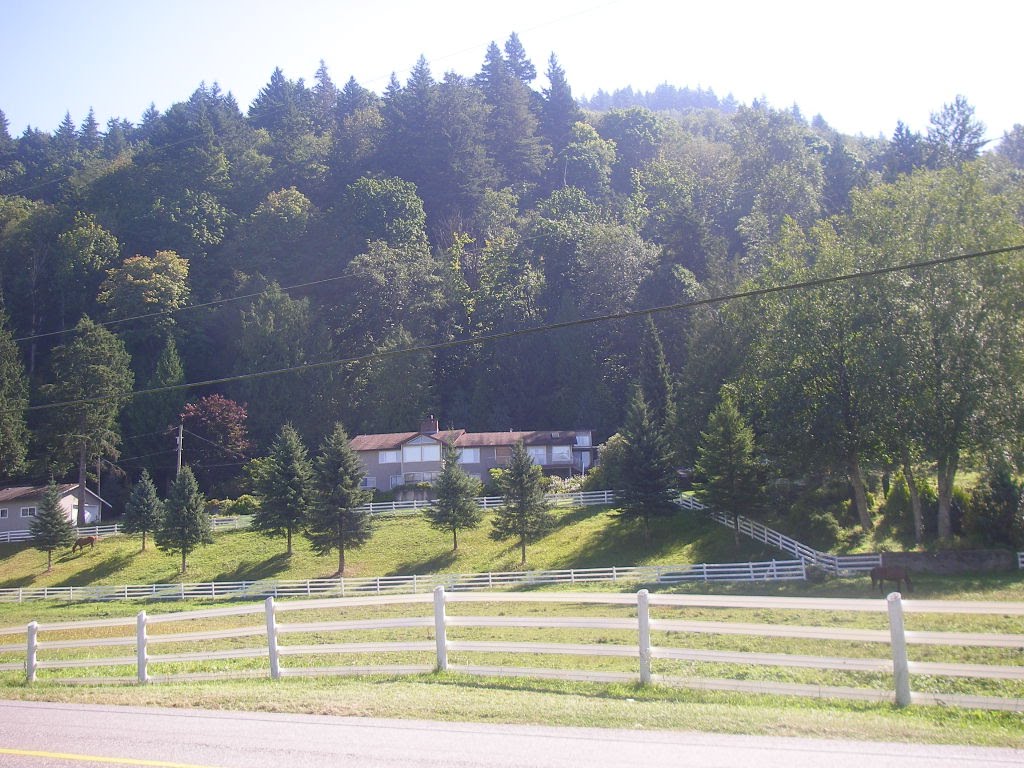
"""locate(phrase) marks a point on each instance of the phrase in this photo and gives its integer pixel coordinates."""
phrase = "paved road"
(40, 735)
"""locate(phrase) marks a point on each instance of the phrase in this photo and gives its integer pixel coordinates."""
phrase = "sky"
(862, 66)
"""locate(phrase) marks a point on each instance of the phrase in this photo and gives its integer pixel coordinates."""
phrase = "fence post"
(643, 616)
(30, 662)
(275, 659)
(440, 629)
(141, 647)
(900, 668)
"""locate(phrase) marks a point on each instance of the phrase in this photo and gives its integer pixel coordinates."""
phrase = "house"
(19, 504)
(407, 458)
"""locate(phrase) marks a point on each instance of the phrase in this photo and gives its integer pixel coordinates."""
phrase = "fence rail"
(656, 642)
(837, 564)
(773, 570)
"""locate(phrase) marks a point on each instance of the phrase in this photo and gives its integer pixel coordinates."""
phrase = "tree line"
(167, 251)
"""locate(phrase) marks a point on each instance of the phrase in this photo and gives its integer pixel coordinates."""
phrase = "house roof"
(463, 439)
(17, 492)
(535, 437)
(392, 441)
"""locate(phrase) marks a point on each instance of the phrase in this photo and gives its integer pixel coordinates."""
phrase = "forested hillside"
(321, 223)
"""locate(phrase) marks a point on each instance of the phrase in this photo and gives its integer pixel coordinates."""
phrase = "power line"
(488, 338)
(235, 453)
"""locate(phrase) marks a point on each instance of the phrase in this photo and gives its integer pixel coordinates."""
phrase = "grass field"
(582, 538)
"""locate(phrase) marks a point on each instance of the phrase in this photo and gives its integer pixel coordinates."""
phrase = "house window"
(583, 441)
(3, 514)
(368, 482)
(414, 453)
(469, 456)
(28, 511)
(389, 457)
(539, 455)
(561, 454)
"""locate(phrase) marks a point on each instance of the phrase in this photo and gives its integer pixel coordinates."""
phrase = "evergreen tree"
(185, 524)
(325, 100)
(284, 487)
(524, 515)
(512, 126)
(648, 477)
(518, 63)
(93, 373)
(13, 402)
(656, 380)
(89, 137)
(455, 506)
(727, 466)
(50, 528)
(149, 418)
(144, 511)
(559, 112)
(336, 522)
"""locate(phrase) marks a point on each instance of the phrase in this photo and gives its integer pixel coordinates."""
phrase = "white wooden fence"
(656, 643)
(837, 564)
(383, 508)
(772, 570)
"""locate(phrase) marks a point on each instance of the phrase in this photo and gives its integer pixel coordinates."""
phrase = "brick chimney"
(429, 426)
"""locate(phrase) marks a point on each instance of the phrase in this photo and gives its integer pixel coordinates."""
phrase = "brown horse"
(83, 542)
(883, 573)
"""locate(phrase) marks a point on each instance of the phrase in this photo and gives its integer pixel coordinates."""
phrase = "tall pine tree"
(455, 508)
(284, 487)
(648, 476)
(92, 375)
(336, 521)
(185, 524)
(50, 528)
(524, 515)
(727, 470)
(144, 511)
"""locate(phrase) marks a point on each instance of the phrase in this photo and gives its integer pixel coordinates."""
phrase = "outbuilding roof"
(18, 492)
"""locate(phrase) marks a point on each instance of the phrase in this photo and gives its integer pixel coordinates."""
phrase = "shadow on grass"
(429, 565)
(92, 574)
(254, 570)
(23, 581)
(576, 515)
(622, 543)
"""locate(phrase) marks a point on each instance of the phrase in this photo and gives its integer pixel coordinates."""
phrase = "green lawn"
(582, 538)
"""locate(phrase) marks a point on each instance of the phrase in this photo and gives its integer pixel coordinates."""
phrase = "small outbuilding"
(20, 503)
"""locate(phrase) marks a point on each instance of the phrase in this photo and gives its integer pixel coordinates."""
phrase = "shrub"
(243, 505)
(992, 513)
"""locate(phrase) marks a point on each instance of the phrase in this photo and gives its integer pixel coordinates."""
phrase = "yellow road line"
(97, 759)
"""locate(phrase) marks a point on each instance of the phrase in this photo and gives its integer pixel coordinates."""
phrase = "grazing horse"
(83, 542)
(883, 573)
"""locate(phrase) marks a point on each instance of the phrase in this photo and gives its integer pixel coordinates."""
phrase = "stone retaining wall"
(954, 561)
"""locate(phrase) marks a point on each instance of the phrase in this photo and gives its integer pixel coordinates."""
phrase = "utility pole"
(180, 439)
